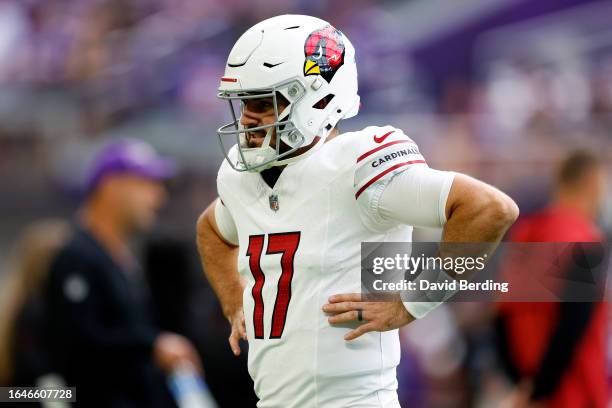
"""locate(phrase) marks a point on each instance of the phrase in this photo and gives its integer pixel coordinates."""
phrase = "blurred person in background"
(22, 357)
(99, 331)
(556, 352)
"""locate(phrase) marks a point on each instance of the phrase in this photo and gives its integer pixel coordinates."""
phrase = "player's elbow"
(482, 204)
(499, 210)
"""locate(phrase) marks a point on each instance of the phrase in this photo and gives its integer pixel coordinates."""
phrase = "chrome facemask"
(256, 159)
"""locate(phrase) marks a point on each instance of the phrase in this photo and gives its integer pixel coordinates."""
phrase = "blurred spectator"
(556, 352)
(99, 333)
(22, 357)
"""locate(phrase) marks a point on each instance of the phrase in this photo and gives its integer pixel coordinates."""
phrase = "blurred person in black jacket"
(99, 331)
(22, 357)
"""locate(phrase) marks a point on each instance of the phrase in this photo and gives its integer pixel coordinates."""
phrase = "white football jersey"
(300, 243)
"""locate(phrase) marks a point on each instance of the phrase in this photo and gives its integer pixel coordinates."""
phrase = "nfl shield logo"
(273, 202)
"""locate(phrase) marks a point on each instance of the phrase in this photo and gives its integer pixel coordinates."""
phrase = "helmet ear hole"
(323, 102)
(281, 101)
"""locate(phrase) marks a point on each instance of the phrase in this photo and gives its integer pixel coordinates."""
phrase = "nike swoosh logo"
(268, 65)
(380, 139)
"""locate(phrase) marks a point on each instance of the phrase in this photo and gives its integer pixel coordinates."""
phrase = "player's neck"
(335, 132)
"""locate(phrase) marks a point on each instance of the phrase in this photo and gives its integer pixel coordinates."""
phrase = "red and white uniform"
(300, 243)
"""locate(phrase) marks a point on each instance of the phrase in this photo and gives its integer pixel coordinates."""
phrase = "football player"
(281, 244)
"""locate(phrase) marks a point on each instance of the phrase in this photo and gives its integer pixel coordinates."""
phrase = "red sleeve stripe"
(366, 154)
(390, 169)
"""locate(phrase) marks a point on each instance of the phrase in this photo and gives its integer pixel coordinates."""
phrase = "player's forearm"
(219, 261)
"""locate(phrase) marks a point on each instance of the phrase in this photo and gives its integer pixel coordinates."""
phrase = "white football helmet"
(304, 59)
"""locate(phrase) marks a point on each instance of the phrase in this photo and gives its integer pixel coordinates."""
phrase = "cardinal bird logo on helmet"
(324, 52)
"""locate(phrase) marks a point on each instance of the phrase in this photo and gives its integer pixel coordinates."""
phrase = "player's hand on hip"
(375, 316)
(236, 320)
